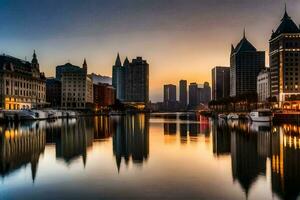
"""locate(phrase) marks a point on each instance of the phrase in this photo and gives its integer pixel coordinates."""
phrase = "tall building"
(131, 80)
(53, 92)
(220, 82)
(205, 93)
(193, 95)
(22, 85)
(183, 93)
(284, 59)
(118, 78)
(263, 85)
(245, 64)
(137, 81)
(77, 87)
(169, 93)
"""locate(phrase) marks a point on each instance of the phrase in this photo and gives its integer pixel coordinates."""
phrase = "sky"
(180, 39)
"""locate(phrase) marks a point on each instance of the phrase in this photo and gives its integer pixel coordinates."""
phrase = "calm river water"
(182, 156)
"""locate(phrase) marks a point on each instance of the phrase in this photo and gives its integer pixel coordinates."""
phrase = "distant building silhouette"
(183, 93)
(220, 82)
(199, 94)
(285, 59)
(104, 95)
(169, 93)
(245, 64)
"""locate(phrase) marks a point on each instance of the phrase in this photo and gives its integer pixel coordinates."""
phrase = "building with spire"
(76, 86)
(245, 64)
(284, 48)
(118, 78)
(131, 81)
(22, 85)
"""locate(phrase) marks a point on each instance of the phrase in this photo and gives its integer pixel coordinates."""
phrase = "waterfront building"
(137, 81)
(131, 81)
(220, 82)
(183, 93)
(53, 92)
(285, 59)
(104, 95)
(263, 85)
(118, 78)
(169, 93)
(77, 87)
(22, 85)
(245, 64)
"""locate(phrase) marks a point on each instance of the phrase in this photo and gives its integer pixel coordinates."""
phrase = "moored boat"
(261, 115)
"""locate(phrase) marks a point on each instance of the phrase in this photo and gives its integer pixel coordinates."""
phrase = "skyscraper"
(118, 78)
(131, 80)
(183, 93)
(245, 64)
(285, 59)
(169, 93)
(137, 81)
(205, 94)
(193, 95)
(220, 82)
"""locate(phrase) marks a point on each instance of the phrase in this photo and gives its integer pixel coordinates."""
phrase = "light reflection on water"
(138, 156)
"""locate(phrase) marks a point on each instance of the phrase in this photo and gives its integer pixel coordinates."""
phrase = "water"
(169, 156)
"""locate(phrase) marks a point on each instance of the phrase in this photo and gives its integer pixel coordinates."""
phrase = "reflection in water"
(21, 145)
(248, 149)
(252, 144)
(131, 139)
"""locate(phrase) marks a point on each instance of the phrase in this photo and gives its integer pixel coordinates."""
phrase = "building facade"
(169, 93)
(285, 59)
(183, 93)
(22, 85)
(220, 82)
(245, 64)
(104, 95)
(205, 93)
(77, 87)
(263, 85)
(53, 92)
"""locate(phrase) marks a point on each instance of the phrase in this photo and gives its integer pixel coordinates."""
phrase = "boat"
(222, 116)
(233, 116)
(263, 115)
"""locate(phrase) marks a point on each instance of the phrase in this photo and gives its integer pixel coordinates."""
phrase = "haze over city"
(179, 39)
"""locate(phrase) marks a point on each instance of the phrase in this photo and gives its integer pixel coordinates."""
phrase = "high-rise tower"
(285, 59)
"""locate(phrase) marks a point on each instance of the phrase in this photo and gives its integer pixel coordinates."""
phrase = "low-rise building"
(104, 95)
(263, 85)
(22, 85)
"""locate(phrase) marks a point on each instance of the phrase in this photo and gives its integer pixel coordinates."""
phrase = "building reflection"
(250, 147)
(103, 127)
(21, 145)
(285, 161)
(131, 139)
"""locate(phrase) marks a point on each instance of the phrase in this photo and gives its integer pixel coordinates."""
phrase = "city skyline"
(174, 36)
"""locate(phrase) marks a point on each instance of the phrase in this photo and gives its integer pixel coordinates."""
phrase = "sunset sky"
(181, 39)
